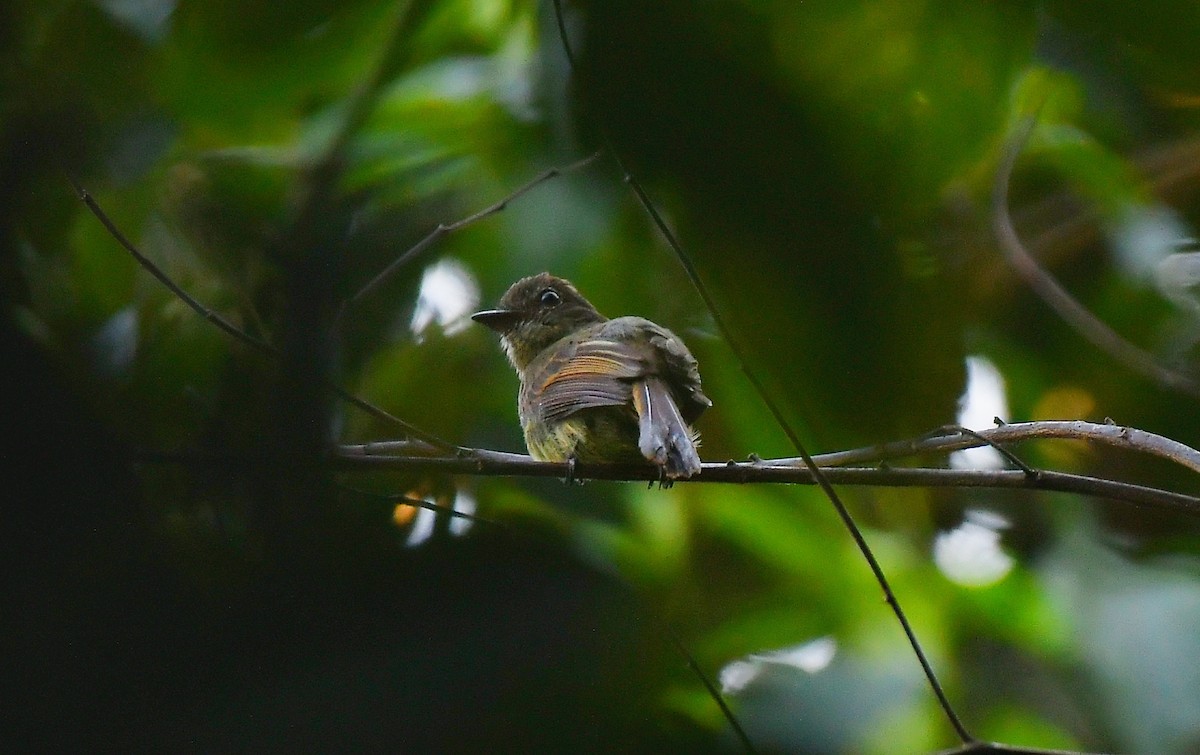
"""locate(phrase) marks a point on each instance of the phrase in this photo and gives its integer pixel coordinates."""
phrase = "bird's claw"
(571, 479)
(664, 482)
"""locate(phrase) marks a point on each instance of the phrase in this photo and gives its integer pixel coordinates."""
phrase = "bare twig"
(759, 388)
(229, 328)
(1128, 438)
(445, 229)
(257, 344)
(1171, 170)
(1012, 458)
(711, 688)
(1051, 291)
(420, 503)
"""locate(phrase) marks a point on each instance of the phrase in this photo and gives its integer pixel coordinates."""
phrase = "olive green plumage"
(596, 389)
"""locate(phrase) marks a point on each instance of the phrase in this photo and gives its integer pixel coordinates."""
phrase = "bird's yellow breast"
(557, 442)
(601, 434)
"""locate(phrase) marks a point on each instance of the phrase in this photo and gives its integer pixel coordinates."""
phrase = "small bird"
(595, 389)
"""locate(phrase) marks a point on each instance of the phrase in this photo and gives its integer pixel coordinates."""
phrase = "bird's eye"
(549, 298)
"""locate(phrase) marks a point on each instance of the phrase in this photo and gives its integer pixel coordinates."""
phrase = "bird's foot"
(571, 479)
(664, 481)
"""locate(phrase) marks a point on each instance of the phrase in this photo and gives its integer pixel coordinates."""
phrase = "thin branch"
(445, 229)
(759, 388)
(413, 455)
(386, 416)
(711, 688)
(229, 328)
(713, 692)
(1051, 291)
(960, 430)
(257, 344)
(484, 463)
(1119, 436)
(420, 503)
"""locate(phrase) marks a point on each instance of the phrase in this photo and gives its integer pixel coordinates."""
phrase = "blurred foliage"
(828, 167)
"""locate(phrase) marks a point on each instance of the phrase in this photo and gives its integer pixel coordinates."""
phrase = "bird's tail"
(663, 437)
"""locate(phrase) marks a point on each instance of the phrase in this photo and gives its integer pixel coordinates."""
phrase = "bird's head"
(536, 312)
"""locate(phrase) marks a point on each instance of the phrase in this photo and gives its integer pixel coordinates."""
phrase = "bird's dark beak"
(498, 320)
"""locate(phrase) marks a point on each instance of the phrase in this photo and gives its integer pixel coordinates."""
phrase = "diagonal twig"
(257, 344)
(445, 229)
(229, 328)
(734, 346)
(421, 503)
(962, 430)
(1079, 317)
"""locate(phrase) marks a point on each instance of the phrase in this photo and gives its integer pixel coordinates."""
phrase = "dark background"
(828, 168)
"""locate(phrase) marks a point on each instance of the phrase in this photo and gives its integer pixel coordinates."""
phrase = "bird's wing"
(599, 370)
(590, 373)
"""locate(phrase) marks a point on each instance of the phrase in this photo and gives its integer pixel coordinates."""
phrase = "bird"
(595, 389)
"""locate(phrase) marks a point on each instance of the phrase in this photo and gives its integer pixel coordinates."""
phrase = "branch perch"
(1119, 436)
(484, 463)
(416, 457)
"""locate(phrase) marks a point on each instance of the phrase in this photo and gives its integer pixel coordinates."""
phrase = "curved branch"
(1051, 291)
(1127, 438)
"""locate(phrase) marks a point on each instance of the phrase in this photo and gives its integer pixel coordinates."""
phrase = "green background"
(827, 165)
